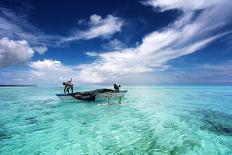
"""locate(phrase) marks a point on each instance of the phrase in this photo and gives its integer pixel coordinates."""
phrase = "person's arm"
(65, 88)
(70, 80)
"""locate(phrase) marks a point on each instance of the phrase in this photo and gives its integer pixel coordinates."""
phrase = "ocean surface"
(160, 120)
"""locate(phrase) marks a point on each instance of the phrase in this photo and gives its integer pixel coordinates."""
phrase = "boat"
(93, 95)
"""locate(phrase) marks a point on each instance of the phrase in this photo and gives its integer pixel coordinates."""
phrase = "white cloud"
(95, 19)
(187, 35)
(92, 54)
(42, 72)
(114, 44)
(48, 65)
(220, 67)
(17, 51)
(41, 49)
(111, 65)
(50, 71)
(81, 21)
(98, 27)
(14, 52)
(185, 5)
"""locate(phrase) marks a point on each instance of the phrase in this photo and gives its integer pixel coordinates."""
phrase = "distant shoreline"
(18, 85)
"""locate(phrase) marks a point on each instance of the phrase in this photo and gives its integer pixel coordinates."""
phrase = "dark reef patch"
(4, 134)
(217, 122)
(31, 120)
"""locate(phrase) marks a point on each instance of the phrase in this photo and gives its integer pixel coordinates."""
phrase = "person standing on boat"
(116, 87)
(67, 86)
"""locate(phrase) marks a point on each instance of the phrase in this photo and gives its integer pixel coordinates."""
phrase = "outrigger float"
(93, 95)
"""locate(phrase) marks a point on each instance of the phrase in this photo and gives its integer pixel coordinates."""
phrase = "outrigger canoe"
(93, 95)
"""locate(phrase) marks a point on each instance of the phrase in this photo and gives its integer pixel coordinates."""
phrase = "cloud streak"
(114, 44)
(18, 27)
(188, 34)
(184, 5)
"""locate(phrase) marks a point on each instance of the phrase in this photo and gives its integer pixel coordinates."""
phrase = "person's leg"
(68, 89)
(72, 89)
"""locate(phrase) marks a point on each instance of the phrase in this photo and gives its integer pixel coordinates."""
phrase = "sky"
(130, 42)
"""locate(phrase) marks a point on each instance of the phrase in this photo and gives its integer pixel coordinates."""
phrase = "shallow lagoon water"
(162, 120)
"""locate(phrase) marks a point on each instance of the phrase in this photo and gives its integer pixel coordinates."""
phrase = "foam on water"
(150, 120)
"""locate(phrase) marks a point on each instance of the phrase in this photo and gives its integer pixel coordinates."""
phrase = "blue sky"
(143, 42)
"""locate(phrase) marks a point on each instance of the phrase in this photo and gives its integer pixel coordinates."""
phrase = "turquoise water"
(162, 120)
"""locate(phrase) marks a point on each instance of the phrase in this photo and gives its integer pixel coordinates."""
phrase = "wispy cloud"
(18, 27)
(114, 44)
(187, 35)
(41, 49)
(184, 5)
(97, 27)
(221, 67)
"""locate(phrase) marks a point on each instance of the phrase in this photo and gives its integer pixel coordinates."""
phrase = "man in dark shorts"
(67, 86)
(116, 87)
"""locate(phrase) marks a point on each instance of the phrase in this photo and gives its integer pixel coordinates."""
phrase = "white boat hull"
(111, 94)
(66, 97)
